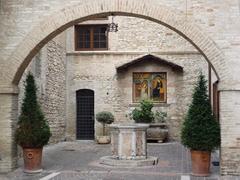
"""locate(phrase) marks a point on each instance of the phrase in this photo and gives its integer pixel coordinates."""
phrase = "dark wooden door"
(85, 114)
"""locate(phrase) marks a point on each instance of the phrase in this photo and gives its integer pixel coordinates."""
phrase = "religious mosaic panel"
(151, 86)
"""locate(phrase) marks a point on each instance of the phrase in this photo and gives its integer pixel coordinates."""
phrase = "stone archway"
(64, 18)
(52, 25)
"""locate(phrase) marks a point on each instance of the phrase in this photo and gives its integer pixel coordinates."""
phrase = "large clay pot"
(200, 163)
(32, 160)
(103, 139)
(157, 132)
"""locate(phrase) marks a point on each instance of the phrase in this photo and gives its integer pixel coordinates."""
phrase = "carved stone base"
(111, 161)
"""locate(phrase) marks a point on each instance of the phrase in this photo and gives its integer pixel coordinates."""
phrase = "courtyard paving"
(80, 160)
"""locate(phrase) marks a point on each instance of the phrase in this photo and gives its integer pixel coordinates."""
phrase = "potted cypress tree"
(32, 131)
(200, 131)
(104, 118)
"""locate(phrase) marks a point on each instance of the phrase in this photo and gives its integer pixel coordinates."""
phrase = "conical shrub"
(200, 130)
(33, 130)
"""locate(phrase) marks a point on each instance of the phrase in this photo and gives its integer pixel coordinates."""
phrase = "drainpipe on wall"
(210, 82)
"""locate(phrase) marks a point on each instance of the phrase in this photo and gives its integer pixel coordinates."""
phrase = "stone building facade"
(212, 27)
(113, 90)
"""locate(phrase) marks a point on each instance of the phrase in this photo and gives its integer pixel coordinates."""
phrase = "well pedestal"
(129, 146)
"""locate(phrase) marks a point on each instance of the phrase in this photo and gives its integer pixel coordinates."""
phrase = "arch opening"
(187, 30)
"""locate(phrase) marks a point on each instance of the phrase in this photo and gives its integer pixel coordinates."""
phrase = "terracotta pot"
(103, 139)
(32, 160)
(200, 163)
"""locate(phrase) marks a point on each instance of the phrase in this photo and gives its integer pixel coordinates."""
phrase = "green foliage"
(105, 117)
(144, 114)
(32, 130)
(160, 116)
(200, 130)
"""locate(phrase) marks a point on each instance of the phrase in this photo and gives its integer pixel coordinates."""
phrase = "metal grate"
(85, 114)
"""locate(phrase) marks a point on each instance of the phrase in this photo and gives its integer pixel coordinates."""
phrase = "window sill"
(154, 105)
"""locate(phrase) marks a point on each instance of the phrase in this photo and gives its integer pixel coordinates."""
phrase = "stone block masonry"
(8, 150)
(114, 91)
(49, 70)
(27, 25)
(54, 97)
(230, 144)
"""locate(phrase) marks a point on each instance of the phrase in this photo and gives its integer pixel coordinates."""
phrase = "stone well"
(129, 146)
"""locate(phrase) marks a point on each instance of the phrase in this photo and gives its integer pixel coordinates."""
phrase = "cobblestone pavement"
(79, 160)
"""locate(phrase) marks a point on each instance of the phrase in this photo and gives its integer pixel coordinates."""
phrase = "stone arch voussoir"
(52, 25)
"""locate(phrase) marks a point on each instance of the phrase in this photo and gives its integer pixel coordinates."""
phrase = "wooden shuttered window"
(91, 37)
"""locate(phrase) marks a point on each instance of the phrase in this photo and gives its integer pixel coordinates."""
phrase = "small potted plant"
(144, 114)
(104, 118)
(158, 131)
(32, 131)
(200, 131)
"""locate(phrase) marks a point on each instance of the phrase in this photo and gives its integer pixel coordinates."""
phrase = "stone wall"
(8, 150)
(217, 19)
(139, 35)
(53, 99)
(48, 68)
(113, 91)
(230, 144)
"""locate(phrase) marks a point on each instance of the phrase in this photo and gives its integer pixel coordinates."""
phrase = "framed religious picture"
(150, 85)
